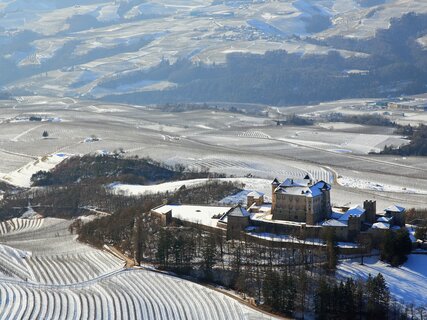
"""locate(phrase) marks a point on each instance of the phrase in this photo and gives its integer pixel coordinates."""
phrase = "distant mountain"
(81, 48)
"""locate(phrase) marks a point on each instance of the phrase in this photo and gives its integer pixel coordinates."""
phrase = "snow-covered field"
(22, 176)
(234, 144)
(46, 274)
(370, 185)
(407, 283)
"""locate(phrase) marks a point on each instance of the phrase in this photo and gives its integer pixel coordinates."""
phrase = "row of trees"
(98, 169)
(351, 299)
(417, 145)
(365, 119)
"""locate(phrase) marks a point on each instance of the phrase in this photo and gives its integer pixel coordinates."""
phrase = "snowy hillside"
(46, 274)
(407, 283)
(82, 44)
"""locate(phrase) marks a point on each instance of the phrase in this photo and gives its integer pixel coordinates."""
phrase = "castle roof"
(275, 182)
(255, 194)
(381, 225)
(334, 223)
(395, 208)
(302, 187)
(237, 211)
(384, 219)
(355, 211)
(295, 183)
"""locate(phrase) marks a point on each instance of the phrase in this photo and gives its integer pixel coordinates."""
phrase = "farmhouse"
(412, 105)
(298, 207)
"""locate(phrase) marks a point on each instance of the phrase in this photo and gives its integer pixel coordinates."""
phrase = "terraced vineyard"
(254, 134)
(132, 294)
(46, 274)
(16, 225)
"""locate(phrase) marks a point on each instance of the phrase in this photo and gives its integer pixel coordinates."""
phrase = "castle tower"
(274, 185)
(370, 207)
(354, 226)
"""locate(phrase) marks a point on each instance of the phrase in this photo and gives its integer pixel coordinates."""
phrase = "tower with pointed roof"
(237, 219)
(274, 185)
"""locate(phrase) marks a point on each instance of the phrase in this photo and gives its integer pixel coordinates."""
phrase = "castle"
(297, 207)
(300, 200)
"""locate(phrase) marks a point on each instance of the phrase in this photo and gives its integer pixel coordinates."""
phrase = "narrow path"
(16, 138)
(130, 263)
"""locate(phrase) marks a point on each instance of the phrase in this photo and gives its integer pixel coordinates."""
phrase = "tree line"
(417, 145)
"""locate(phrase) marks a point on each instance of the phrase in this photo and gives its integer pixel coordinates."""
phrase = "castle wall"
(290, 207)
(341, 233)
(235, 226)
(165, 219)
(300, 208)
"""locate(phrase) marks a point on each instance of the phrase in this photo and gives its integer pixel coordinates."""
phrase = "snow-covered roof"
(381, 225)
(302, 187)
(268, 217)
(295, 183)
(334, 223)
(265, 208)
(196, 214)
(275, 182)
(255, 194)
(384, 219)
(336, 214)
(355, 211)
(238, 211)
(395, 208)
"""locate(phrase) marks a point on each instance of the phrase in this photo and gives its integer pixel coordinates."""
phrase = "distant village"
(299, 209)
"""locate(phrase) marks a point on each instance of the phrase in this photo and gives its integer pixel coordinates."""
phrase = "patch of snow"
(238, 198)
(261, 185)
(356, 183)
(341, 150)
(288, 238)
(202, 126)
(30, 214)
(22, 176)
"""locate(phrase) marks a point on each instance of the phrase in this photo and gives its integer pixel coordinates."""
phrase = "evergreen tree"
(396, 246)
(331, 250)
(209, 252)
(289, 292)
(177, 250)
(378, 297)
(322, 299)
(421, 233)
(163, 247)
